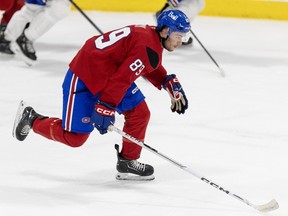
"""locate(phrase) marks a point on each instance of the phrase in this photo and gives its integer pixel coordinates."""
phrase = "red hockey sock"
(51, 128)
(136, 121)
(10, 7)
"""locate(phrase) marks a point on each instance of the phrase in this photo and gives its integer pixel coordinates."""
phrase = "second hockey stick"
(89, 20)
(220, 69)
(267, 207)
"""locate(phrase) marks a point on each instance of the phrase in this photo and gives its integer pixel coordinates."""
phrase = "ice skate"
(187, 39)
(4, 44)
(132, 169)
(24, 120)
(24, 49)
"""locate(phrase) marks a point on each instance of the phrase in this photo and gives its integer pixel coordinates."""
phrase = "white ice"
(235, 132)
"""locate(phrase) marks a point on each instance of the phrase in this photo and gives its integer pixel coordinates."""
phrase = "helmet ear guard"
(174, 20)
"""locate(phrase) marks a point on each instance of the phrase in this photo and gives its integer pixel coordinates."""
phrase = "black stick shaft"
(89, 20)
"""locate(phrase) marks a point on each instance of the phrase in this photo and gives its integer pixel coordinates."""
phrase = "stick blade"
(22, 105)
(270, 206)
(222, 73)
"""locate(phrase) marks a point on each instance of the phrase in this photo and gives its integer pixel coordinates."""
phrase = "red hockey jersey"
(108, 64)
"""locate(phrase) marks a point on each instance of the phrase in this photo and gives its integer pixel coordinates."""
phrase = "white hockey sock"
(52, 13)
(20, 19)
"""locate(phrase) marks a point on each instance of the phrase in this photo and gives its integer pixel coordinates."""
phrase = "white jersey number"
(113, 38)
(137, 65)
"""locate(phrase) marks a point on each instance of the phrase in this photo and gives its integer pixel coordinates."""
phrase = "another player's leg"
(18, 23)
(4, 44)
(23, 47)
(41, 23)
(20, 44)
(136, 121)
(10, 7)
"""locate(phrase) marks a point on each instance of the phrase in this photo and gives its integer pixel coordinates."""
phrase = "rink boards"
(261, 9)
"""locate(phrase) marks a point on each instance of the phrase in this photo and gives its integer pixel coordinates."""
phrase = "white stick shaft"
(266, 207)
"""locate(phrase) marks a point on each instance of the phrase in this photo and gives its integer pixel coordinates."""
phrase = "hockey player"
(9, 7)
(42, 16)
(190, 7)
(100, 81)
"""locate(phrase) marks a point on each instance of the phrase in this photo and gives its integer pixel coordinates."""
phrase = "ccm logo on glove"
(103, 116)
(104, 111)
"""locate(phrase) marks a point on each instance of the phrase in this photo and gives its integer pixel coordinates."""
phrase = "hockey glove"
(179, 102)
(174, 2)
(103, 116)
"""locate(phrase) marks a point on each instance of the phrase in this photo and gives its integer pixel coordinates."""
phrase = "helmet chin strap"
(163, 39)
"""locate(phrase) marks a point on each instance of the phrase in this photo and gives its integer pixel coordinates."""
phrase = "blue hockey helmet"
(175, 20)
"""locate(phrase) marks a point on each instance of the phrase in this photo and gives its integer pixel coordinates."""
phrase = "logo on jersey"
(85, 120)
(135, 90)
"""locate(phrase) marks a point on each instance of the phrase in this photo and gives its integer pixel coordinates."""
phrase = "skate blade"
(19, 54)
(132, 177)
(18, 117)
(6, 55)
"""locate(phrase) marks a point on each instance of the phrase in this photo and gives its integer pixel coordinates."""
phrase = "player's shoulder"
(146, 35)
(145, 32)
(142, 28)
(149, 42)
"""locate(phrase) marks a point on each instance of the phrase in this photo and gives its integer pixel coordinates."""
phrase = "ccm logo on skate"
(105, 112)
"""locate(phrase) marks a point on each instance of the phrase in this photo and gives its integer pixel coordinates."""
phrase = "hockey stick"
(272, 205)
(220, 69)
(89, 20)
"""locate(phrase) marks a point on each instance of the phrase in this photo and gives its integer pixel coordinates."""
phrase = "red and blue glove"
(103, 116)
(179, 102)
(174, 2)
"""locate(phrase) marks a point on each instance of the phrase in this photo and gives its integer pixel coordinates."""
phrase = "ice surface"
(235, 131)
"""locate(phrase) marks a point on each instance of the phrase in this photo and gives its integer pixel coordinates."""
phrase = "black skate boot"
(24, 120)
(4, 44)
(23, 47)
(132, 169)
(187, 39)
